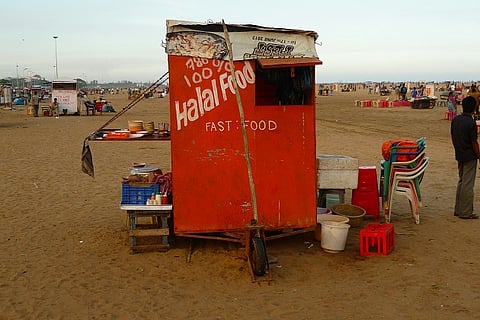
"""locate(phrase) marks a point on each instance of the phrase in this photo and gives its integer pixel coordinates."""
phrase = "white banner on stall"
(67, 99)
(248, 41)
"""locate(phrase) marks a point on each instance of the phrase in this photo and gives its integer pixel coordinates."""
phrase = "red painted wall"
(210, 182)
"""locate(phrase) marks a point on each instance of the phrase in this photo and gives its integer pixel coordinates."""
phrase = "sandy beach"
(65, 250)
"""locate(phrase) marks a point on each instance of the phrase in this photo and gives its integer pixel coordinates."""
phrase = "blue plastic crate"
(138, 193)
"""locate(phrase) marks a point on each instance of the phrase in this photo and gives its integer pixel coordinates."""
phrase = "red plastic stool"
(377, 239)
(366, 194)
(449, 115)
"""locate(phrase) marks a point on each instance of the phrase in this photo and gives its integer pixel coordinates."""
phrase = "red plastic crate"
(377, 239)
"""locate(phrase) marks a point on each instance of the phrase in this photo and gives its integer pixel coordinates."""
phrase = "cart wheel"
(258, 256)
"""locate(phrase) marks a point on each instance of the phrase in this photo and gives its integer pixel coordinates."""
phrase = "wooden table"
(157, 231)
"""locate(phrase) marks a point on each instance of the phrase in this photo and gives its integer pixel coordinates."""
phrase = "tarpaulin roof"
(172, 25)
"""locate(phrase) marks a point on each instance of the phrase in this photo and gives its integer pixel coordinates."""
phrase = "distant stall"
(65, 90)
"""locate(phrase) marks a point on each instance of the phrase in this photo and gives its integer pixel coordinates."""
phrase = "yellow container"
(135, 125)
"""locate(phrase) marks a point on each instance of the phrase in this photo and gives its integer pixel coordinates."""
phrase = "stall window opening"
(285, 81)
(65, 86)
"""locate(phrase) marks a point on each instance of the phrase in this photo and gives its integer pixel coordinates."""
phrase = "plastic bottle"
(164, 199)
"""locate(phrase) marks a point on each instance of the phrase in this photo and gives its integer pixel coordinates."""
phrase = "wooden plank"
(149, 247)
(207, 236)
(148, 226)
(158, 216)
(290, 233)
(163, 207)
(149, 232)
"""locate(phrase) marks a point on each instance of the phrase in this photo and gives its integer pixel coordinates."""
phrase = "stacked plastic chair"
(404, 177)
(406, 182)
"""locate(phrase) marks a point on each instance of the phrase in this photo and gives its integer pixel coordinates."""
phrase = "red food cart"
(243, 149)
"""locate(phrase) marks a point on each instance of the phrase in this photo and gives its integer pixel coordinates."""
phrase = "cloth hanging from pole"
(87, 160)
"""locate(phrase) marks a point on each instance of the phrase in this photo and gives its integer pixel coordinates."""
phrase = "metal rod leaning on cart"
(87, 159)
(137, 99)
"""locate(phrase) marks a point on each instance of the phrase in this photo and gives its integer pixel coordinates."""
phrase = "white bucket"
(334, 236)
(322, 217)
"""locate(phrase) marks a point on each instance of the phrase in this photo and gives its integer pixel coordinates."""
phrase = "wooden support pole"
(242, 121)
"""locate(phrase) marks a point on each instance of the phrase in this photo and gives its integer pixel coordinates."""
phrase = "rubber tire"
(258, 256)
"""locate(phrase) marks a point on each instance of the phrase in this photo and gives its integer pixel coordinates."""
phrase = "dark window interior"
(65, 86)
(284, 85)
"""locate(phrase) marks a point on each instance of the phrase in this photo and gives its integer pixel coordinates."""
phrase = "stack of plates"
(149, 127)
(140, 170)
(135, 125)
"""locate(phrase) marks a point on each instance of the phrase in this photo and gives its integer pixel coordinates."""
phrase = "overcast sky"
(114, 40)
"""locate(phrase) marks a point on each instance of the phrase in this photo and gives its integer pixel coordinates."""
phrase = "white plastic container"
(337, 172)
(334, 236)
(323, 217)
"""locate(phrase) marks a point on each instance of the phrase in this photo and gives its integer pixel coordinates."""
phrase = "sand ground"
(65, 250)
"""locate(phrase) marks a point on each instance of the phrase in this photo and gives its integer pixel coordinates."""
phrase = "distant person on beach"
(476, 94)
(473, 87)
(452, 103)
(35, 103)
(403, 92)
(463, 130)
(54, 108)
(414, 92)
(420, 91)
(108, 108)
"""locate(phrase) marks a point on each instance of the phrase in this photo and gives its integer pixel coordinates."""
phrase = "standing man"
(474, 93)
(414, 93)
(403, 92)
(36, 103)
(464, 135)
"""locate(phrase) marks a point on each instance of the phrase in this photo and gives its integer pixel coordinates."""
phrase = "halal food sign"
(211, 82)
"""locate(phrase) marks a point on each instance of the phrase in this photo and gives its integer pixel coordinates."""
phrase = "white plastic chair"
(397, 167)
(404, 183)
